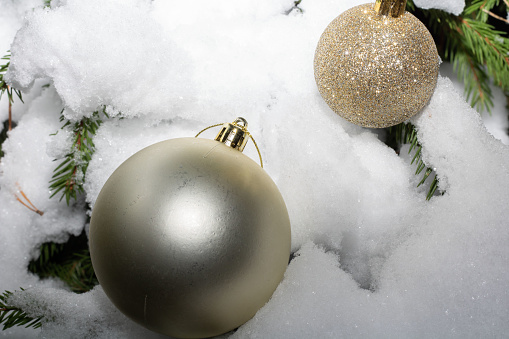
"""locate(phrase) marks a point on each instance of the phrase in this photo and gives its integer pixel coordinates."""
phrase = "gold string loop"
(206, 128)
(234, 135)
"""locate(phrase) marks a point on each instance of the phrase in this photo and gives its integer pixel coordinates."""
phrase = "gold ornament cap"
(394, 8)
(234, 134)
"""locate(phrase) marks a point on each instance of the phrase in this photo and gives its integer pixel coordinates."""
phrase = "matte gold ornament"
(189, 237)
(376, 65)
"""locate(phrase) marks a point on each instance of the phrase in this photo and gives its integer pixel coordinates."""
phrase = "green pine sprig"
(481, 9)
(407, 134)
(479, 53)
(11, 316)
(3, 135)
(69, 262)
(69, 175)
(4, 88)
(480, 56)
(296, 4)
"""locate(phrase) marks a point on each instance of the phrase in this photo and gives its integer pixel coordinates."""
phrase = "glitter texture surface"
(376, 71)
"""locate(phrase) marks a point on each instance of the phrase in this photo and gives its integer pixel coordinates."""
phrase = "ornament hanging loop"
(234, 135)
(394, 8)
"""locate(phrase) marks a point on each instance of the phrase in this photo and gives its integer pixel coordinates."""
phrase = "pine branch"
(480, 9)
(407, 134)
(11, 316)
(295, 7)
(69, 175)
(23, 199)
(475, 80)
(478, 52)
(3, 135)
(70, 262)
(4, 88)
(489, 48)
(296, 4)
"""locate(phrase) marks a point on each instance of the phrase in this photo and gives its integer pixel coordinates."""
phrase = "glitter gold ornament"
(189, 237)
(376, 65)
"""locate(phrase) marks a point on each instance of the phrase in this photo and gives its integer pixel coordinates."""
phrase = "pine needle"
(70, 262)
(478, 52)
(69, 176)
(11, 316)
(405, 133)
(4, 88)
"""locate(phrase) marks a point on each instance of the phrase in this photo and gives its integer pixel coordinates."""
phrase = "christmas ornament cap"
(394, 8)
(234, 134)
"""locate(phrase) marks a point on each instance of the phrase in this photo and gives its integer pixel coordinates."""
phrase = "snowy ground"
(373, 258)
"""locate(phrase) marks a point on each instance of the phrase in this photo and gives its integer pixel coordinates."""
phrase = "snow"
(451, 6)
(89, 315)
(372, 257)
(497, 122)
(444, 276)
(67, 48)
(11, 18)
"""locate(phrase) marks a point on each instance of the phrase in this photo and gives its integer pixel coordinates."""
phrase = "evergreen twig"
(478, 52)
(70, 262)
(11, 316)
(296, 7)
(69, 175)
(296, 4)
(4, 88)
(407, 134)
(3, 135)
(26, 202)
